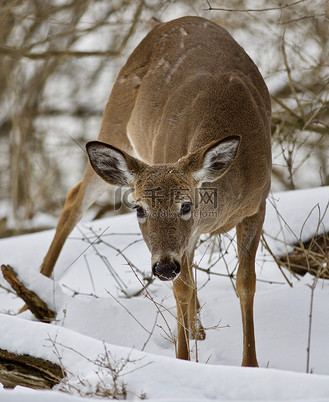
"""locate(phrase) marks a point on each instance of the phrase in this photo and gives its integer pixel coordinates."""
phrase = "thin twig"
(248, 10)
(91, 243)
(22, 53)
(110, 268)
(290, 80)
(131, 315)
(171, 336)
(263, 240)
(90, 275)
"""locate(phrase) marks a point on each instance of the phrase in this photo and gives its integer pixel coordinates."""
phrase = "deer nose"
(166, 272)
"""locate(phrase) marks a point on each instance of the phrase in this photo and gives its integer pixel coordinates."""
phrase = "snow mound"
(103, 265)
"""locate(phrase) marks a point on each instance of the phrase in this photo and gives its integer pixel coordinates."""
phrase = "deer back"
(191, 84)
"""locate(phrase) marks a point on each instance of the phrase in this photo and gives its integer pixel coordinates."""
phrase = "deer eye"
(186, 208)
(140, 211)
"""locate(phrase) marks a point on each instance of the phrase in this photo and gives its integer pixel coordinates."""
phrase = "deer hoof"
(198, 332)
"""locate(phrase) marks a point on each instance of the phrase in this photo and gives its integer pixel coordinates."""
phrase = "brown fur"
(187, 94)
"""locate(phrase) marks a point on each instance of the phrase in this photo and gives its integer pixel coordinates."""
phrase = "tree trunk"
(28, 371)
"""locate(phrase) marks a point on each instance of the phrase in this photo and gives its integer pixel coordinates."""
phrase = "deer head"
(165, 196)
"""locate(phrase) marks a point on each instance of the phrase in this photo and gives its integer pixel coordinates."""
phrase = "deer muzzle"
(166, 271)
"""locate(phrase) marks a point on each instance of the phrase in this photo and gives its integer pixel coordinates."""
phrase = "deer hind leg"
(113, 131)
(78, 200)
(248, 234)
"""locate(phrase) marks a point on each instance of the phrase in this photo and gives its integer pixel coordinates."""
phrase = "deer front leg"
(248, 234)
(183, 294)
(188, 308)
(197, 330)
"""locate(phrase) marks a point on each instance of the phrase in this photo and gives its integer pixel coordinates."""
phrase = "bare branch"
(248, 10)
(20, 53)
(38, 307)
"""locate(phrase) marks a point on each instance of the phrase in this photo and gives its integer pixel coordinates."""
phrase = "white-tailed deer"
(194, 109)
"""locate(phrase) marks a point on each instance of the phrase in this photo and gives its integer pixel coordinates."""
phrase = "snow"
(95, 317)
(294, 215)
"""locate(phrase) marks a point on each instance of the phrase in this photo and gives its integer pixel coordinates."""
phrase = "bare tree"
(292, 39)
(50, 88)
(58, 62)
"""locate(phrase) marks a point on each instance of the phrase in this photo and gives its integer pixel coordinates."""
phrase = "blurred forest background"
(59, 59)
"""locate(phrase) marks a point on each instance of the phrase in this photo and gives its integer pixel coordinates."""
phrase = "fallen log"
(311, 256)
(37, 306)
(28, 371)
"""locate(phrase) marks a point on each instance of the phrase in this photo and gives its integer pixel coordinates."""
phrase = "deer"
(188, 113)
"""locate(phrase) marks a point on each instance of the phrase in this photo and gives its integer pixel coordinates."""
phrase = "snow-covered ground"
(95, 317)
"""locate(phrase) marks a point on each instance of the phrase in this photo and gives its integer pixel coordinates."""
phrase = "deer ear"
(216, 159)
(112, 165)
